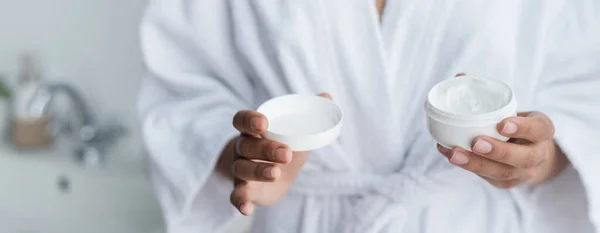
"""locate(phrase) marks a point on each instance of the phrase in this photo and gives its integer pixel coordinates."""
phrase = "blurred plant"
(5, 92)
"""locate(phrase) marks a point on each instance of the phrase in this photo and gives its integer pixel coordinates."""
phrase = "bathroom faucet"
(92, 138)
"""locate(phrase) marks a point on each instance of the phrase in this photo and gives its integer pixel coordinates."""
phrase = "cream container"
(303, 122)
(460, 109)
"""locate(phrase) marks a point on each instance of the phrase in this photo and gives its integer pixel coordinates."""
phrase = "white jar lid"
(504, 102)
(303, 122)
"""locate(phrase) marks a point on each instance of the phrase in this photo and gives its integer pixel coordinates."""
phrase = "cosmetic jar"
(303, 122)
(462, 108)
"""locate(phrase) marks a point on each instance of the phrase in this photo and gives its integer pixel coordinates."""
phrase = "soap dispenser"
(30, 127)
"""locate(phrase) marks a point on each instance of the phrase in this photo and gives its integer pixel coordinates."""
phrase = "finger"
(250, 122)
(521, 156)
(460, 74)
(262, 149)
(532, 126)
(255, 171)
(504, 184)
(240, 198)
(482, 166)
(326, 95)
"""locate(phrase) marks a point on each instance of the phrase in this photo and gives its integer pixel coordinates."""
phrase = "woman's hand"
(530, 156)
(263, 170)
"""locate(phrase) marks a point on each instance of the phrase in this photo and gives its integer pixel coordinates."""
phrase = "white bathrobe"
(207, 59)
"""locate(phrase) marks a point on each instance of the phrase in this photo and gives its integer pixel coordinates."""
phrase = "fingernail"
(238, 146)
(509, 128)
(243, 209)
(240, 204)
(271, 172)
(482, 146)
(443, 149)
(281, 155)
(246, 209)
(256, 123)
(459, 158)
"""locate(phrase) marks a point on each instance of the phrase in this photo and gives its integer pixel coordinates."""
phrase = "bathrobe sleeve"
(193, 88)
(568, 91)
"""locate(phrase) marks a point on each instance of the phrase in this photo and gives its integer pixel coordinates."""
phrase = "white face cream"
(460, 109)
(469, 96)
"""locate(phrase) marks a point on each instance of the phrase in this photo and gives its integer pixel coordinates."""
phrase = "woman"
(212, 60)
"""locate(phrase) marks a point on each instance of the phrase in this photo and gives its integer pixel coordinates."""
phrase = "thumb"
(326, 95)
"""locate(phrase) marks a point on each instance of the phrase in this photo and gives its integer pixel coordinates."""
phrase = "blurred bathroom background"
(71, 154)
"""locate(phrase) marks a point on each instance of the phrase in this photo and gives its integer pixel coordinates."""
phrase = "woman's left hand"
(531, 156)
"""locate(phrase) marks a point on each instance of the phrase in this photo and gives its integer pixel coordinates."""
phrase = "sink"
(48, 192)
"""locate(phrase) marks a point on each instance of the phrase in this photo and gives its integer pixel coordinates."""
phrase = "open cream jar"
(460, 109)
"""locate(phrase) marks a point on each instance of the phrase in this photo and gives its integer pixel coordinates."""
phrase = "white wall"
(92, 44)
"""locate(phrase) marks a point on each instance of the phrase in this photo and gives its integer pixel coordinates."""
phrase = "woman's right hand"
(263, 170)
